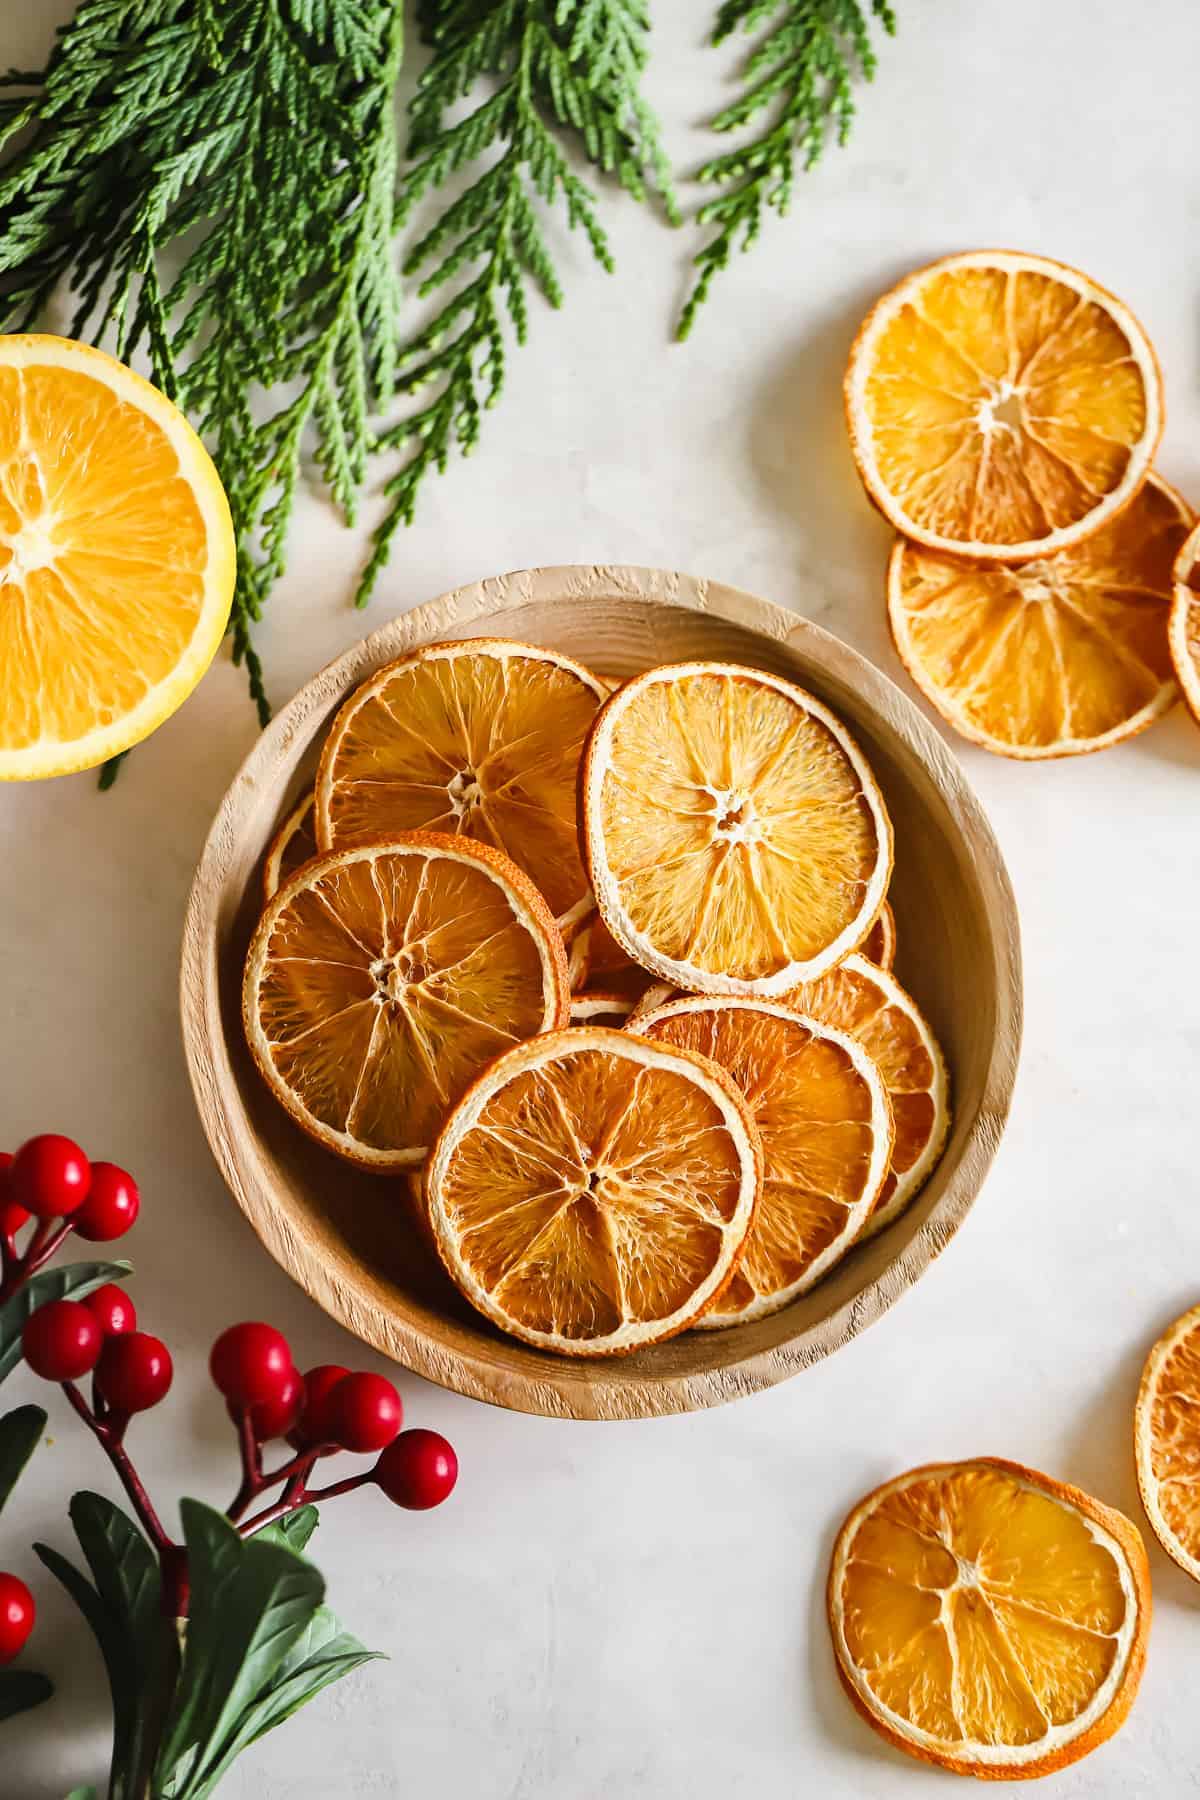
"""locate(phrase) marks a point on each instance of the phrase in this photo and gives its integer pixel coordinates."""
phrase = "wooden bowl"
(345, 1236)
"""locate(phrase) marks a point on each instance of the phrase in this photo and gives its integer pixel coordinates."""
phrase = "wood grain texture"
(349, 1238)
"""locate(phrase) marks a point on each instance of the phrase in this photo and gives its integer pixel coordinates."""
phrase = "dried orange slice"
(871, 1007)
(1166, 1433)
(736, 839)
(382, 979)
(293, 845)
(1002, 406)
(1051, 658)
(592, 1192)
(579, 960)
(117, 557)
(594, 1006)
(1184, 627)
(479, 739)
(822, 1113)
(989, 1619)
(879, 946)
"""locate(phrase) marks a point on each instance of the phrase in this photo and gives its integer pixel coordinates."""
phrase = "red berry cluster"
(330, 1409)
(50, 1186)
(327, 1411)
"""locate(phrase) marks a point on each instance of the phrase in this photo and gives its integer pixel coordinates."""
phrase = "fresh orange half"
(592, 1192)
(479, 739)
(1002, 406)
(1167, 1441)
(736, 839)
(822, 1113)
(871, 1007)
(594, 1006)
(1050, 658)
(293, 845)
(117, 557)
(1184, 627)
(879, 946)
(382, 979)
(989, 1619)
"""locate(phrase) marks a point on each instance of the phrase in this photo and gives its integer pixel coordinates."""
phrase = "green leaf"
(126, 1574)
(19, 1434)
(251, 1602)
(21, 1690)
(293, 1531)
(69, 1281)
(323, 1654)
(83, 1793)
(121, 1660)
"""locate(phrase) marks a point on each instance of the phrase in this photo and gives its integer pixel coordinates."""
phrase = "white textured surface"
(638, 1609)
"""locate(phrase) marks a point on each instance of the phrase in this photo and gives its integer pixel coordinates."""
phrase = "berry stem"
(295, 1495)
(252, 1475)
(15, 1270)
(108, 1434)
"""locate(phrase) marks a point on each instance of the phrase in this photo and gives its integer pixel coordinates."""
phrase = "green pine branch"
(214, 180)
(555, 77)
(798, 81)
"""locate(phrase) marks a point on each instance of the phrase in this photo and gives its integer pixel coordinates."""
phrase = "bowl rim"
(463, 612)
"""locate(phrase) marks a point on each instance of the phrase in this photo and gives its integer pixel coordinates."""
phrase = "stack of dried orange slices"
(612, 971)
(1004, 412)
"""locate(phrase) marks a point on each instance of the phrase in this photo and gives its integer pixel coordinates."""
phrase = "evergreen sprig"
(801, 76)
(556, 76)
(214, 179)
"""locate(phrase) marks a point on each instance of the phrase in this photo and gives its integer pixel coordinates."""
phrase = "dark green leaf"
(293, 1531)
(21, 1690)
(126, 1574)
(69, 1281)
(323, 1654)
(251, 1602)
(19, 1434)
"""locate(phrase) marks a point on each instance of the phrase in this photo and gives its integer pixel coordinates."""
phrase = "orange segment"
(871, 1007)
(1052, 658)
(989, 1619)
(381, 980)
(879, 946)
(1167, 1441)
(592, 1192)
(735, 837)
(1184, 627)
(480, 739)
(117, 557)
(826, 1130)
(1002, 406)
(293, 845)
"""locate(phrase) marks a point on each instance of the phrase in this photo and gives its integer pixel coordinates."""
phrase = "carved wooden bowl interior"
(346, 1236)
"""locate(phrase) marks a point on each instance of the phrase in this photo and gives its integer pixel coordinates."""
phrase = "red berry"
(49, 1176)
(111, 1206)
(62, 1340)
(13, 1218)
(134, 1371)
(251, 1364)
(418, 1470)
(365, 1412)
(113, 1308)
(17, 1614)
(315, 1425)
(275, 1418)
